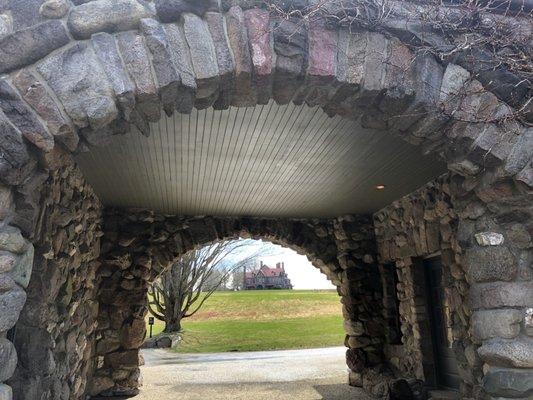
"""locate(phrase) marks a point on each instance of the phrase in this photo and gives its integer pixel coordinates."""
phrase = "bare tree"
(184, 288)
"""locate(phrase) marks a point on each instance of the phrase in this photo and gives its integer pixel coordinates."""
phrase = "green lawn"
(263, 320)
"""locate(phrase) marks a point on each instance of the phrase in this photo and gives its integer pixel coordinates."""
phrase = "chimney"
(261, 263)
(283, 266)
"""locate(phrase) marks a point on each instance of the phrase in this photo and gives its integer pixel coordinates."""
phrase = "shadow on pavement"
(340, 391)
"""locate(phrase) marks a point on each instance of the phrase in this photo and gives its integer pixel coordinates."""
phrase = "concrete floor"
(289, 374)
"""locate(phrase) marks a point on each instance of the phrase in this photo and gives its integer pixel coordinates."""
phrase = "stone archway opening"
(231, 294)
(142, 244)
(76, 76)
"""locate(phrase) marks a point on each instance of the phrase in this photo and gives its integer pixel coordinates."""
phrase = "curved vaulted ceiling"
(268, 160)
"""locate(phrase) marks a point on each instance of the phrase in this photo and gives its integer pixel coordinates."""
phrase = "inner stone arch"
(138, 245)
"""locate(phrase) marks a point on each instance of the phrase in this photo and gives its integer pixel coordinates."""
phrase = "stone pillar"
(361, 293)
(16, 261)
(495, 231)
(121, 326)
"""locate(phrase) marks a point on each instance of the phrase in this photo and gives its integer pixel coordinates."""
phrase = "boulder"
(516, 353)
(33, 91)
(89, 104)
(487, 324)
(21, 273)
(501, 294)
(492, 263)
(5, 392)
(54, 9)
(107, 16)
(11, 303)
(11, 240)
(24, 47)
(8, 360)
(505, 382)
(400, 390)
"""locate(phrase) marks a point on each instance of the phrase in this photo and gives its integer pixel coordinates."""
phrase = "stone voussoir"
(244, 92)
(203, 57)
(24, 118)
(34, 92)
(91, 104)
(107, 16)
(257, 23)
(24, 47)
(225, 59)
(106, 50)
(167, 76)
(137, 61)
(171, 10)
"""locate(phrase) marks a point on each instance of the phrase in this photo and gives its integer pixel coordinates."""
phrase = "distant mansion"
(267, 278)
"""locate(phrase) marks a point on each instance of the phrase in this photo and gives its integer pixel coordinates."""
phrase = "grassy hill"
(263, 320)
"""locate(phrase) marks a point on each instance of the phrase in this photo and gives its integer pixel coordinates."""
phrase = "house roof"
(265, 270)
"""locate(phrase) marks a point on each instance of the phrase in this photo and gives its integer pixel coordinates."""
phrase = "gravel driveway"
(279, 375)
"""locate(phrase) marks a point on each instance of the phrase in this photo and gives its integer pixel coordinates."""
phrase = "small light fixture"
(380, 187)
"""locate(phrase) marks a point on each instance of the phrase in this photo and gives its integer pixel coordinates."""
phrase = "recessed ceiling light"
(380, 187)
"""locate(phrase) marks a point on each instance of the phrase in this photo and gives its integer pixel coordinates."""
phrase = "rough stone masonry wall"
(138, 245)
(54, 336)
(419, 225)
(16, 260)
(487, 273)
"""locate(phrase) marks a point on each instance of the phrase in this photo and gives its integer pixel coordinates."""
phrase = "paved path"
(279, 375)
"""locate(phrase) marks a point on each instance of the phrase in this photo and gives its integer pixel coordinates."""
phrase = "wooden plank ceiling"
(286, 161)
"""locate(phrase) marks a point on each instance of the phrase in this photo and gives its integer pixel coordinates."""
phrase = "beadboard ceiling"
(270, 160)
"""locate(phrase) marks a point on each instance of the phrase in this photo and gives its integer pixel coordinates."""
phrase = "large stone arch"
(85, 74)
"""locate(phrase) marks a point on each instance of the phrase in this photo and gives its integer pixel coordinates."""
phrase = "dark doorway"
(440, 318)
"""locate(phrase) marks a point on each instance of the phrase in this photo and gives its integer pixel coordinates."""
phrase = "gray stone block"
(8, 360)
(504, 382)
(225, 60)
(203, 55)
(54, 9)
(33, 91)
(488, 324)
(107, 16)
(106, 50)
(29, 45)
(517, 353)
(172, 10)
(14, 157)
(80, 83)
(137, 61)
(290, 46)
(21, 272)
(24, 118)
(5, 392)
(181, 58)
(11, 303)
(168, 79)
(501, 294)
(493, 263)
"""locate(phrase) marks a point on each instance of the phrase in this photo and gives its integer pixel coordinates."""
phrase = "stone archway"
(138, 245)
(177, 55)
